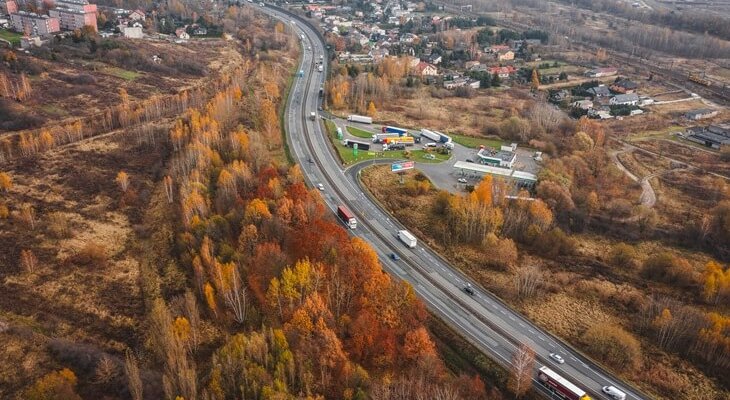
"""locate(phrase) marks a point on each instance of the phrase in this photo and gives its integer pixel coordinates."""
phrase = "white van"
(614, 393)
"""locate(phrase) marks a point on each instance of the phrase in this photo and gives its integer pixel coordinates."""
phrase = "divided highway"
(483, 319)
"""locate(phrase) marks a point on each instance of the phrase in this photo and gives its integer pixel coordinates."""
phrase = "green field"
(347, 156)
(361, 133)
(475, 142)
(121, 73)
(665, 133)
(11, 37)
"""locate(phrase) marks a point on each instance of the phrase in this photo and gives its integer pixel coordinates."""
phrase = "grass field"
(121, 73)
(474, 142)
(361, 133)
(664, 133)
(11, 37)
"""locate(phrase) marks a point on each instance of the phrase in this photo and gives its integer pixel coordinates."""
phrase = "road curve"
(482, 319)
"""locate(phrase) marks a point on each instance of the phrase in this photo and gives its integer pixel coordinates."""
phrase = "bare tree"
(131, 369)
(106, 369)
(168, 188)
(28, 261)
(527, 281)
(523, 362)
(27, 215)
(236, 297)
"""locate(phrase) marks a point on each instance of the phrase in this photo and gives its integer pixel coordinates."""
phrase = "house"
(624, 100)
(645, 101)
(505, 55)
(624, 86)
(455, 83)
(599, 91)
(470, 64)
(33, 24)
(496, 48)
(714, 136)
(600, 114)
(560, 95)
(636, 112)
(137, 15)
(182, 34)
(131, 32)
(583, 104)
(503, 72)
(200, 31)
(426, 69)
(601, 72)
(701, 113)
(434, 59)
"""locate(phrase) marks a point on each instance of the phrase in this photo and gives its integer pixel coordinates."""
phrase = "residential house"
(701, 113)
(583, 104)
(8, 7)
(496, 48)
(182, 34)
(200, 31)
(599, 91)
(137, 15)
(600, 114)
(601, 72)
(502, 72)
(434, 59)
(505, 55)
(426, 69)
(33, 24)
(131, 32)
(630, 99)
(74, 14)
(715, 136)
(645, 101)
(624, 86)
(560, 96)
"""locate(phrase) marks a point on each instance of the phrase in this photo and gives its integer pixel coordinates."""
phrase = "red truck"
(347, 217)
(560, 386)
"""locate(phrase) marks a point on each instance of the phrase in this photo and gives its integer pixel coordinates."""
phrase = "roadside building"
(625, 100)
(497, 158)
(599, 91)
(521, 178)
(624, 86)
(601, 72)
(33, 24)
(583, 104)
(701, 113)
(74, 14)
(714, 136)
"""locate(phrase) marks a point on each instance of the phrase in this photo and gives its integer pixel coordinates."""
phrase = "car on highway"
(320, 186)
(469, 289)
(461, 180)
(557, 358)
(469, 160)
(613, 392)
(394, 257)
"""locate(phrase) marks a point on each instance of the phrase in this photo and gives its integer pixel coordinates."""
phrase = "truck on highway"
(319, 68)
(313, 115)
(406, 140)
(380, 137)
(395, 129)
(301, 73)
(359, 118)
(407, 238)
(347, 217)
(360, 145)
(560, 386)
(431, 135)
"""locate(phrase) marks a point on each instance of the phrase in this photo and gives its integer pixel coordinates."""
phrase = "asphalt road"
(482, 319)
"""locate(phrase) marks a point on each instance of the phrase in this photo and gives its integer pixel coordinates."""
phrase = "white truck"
(359, 118)
(407, 238)
(319, 68)
(313, 115)
(431, 135)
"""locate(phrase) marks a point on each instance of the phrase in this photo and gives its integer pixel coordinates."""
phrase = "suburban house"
(74, 14)
(601, 72)
(624, 100)
(33, 24)
(426, 69)
(503, 72)
(701, 113)
(460, 82)
(583, 104)
(599, 91)
(137, 15)
(434, 59)
(496, 48)
(714, 136)
(505, 55)
(624, 86)
(131, 32)
(182, 34)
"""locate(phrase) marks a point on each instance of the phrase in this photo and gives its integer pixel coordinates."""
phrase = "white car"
(320, 186)
(461, 180)
(614, 393)
(556, 357)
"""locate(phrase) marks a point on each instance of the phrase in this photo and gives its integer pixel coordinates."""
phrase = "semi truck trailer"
(394, 129)
(360, 118)
(381, 137)
(406, 140)
(360, 145)
(394, 146)
(559, 386)
(431, 135)
(347, 217)
(407, 238)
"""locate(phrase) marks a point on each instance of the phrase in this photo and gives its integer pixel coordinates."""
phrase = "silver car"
(557, 358)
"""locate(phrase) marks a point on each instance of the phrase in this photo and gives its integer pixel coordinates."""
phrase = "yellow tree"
(122, 180)
(535, 80)
(371, 109)
(6, 182)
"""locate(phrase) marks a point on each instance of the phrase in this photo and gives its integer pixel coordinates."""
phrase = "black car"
(469, 160)
(469, 289)
(394, 257)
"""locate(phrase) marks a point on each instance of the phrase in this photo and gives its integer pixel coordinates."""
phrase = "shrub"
(92, 255)
(613, 346)
(668, 269)
(58, 226)
(623, 255)
(554, 243)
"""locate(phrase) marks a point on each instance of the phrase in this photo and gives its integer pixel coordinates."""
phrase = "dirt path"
(648, 196)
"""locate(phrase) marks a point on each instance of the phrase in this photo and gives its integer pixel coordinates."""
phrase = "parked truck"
(560, 386)
(431, 135)
(407, 238)
(394, 129)
(380, 137)
(360, 118)
(313, 115)
(360, 145)
(406, 140)
(394, 146)
(347, 217)
(319, 68)
(443, 138)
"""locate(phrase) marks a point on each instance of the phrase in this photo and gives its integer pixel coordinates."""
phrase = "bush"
(58, 226)
(91, 255)
(613, 346)
(624, 256)
(555, 243)
(669, 269)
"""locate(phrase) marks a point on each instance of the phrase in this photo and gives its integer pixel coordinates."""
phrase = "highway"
(482, 319)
